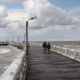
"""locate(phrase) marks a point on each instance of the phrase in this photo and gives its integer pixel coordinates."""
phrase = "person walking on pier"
(44, 46)
(48, 48)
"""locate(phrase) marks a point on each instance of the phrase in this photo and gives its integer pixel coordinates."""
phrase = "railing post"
(76, 54)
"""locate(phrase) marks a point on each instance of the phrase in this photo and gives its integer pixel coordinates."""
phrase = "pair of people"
(46, 47)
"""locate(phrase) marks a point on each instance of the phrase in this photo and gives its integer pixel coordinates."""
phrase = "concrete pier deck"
(51, 66)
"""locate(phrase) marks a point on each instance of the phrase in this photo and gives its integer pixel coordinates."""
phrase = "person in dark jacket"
(44, 46)
(48, 48)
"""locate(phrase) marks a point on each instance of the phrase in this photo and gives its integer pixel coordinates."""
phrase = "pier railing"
(17, 69)
(72, 53)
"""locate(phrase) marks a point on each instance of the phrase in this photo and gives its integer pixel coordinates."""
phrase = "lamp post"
(27, 46)
(18, 39)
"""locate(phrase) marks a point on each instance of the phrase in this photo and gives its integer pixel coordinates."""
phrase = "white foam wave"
(4, 51)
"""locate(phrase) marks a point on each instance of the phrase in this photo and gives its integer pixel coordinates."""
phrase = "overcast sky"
(57, 20)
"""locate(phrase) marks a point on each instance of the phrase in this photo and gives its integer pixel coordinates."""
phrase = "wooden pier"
(51, 66)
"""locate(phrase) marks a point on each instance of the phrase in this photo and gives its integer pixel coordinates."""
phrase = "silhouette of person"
(44, 46)
(48, 48)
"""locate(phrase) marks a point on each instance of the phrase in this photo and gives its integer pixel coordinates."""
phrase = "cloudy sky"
(57, 20)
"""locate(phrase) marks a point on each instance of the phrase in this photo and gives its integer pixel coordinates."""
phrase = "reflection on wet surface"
(51, 66)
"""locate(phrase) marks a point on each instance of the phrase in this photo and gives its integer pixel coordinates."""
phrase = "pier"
(53, 66)
(60, 64)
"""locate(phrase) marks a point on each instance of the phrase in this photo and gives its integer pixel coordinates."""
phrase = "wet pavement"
(7, 55)
(51, 66)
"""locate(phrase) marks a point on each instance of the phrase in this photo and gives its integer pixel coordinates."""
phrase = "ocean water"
(76, 47)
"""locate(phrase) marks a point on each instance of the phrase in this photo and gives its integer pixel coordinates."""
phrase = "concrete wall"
(17, 69)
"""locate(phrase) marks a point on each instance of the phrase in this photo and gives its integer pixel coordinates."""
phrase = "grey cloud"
(50, 18)
(3, 24)
(48, 14)
(35, 28)
(3, 15)
(3, 12)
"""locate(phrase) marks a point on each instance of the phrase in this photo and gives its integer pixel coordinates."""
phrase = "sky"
(57, 20)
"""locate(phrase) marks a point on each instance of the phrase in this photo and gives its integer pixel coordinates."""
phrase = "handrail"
(72, 53)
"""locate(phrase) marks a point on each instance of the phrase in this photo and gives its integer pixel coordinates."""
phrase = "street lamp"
(27, 45)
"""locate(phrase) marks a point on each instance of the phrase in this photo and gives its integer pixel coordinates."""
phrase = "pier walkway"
(53, 66)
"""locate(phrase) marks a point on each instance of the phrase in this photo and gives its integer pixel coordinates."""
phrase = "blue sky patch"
(65, 3)
(13, 5)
